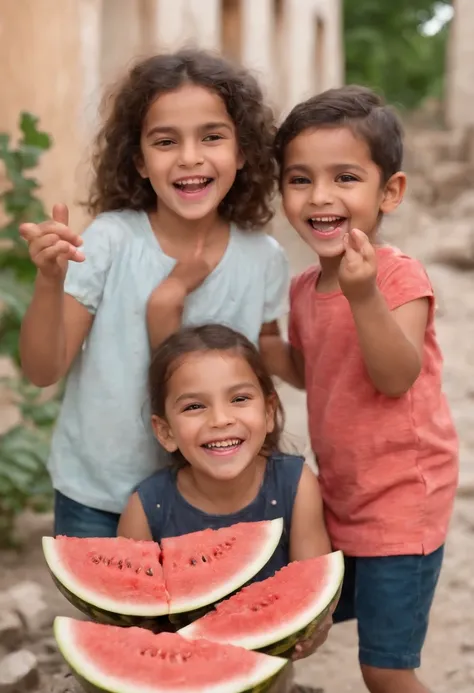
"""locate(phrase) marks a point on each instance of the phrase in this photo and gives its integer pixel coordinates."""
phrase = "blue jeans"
(72, 519)
(391, 597)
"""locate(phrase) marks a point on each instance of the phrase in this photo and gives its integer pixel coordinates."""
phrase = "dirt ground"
(448, 660)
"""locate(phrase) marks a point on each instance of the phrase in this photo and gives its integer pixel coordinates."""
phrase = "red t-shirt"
(388, 467)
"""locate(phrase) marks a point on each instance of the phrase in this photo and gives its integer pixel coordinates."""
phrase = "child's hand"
(307, 647)
(192, 270)
(358, 268)
(52, 244)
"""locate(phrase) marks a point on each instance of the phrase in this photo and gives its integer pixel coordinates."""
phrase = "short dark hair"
(189, 340)
(354, 107)
(117, 183)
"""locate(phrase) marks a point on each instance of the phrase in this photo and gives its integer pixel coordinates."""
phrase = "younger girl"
(215, 409)
(183, 181)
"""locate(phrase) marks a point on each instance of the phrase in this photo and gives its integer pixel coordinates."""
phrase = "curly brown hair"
(117, 183)
(203, 338)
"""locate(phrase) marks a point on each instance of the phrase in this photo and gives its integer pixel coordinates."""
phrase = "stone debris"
(29, 602)
(11, 630)
(19, 672)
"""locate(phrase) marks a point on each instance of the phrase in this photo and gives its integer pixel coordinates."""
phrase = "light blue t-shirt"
(103, 445)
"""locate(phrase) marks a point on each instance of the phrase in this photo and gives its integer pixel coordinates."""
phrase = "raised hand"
(307, 647)
(52, 244)
(358, 268)
(193, 269)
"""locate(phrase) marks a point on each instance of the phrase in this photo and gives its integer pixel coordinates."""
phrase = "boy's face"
(330, 185)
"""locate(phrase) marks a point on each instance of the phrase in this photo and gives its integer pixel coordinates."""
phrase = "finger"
(41, 242)
(30, 232)
(60, 249)
(358, 240)
(350, 252)
(61, 214)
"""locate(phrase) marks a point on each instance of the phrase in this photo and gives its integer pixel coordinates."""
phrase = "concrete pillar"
(460, 67)
(258, 41)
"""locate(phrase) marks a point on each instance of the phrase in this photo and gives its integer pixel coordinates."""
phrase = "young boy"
(362, 340)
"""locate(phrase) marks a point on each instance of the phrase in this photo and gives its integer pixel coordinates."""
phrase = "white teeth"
(192, 181)
(326, 220)
(223, 443)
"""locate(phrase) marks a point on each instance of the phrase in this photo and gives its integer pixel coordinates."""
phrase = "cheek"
(292, 203)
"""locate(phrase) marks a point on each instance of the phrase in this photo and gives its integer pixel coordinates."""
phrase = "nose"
(322, 194)
(221, 416)
(190, 154)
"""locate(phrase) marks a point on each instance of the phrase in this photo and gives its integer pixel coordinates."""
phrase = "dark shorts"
(391, 597)
(73, 519)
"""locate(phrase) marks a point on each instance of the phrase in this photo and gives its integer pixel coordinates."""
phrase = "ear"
(240, 161)
(163, 433)
(140, 166)
(271, 406)
(393, 192)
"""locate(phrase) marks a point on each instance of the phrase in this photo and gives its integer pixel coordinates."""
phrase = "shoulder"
(112, 228)
(401, 278)
(392, 260)
(259, 241)
(287, 466)
(155, 482)
(304, 281)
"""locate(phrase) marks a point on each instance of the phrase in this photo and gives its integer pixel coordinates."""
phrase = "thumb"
(61, 214)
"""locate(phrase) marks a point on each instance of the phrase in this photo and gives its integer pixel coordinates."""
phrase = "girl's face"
(216, 414)
(190, 151)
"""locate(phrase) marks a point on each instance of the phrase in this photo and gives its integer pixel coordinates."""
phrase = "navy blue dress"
(170, 515)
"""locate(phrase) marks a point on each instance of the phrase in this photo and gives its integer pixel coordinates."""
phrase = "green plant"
(24, 481)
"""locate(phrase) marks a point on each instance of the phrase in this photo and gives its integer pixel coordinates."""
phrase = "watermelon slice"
(111, 580)
(133, 660)
(203, 567)
(121, 581)
(275, 614)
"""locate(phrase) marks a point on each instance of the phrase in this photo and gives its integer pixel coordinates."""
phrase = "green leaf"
(32, 137)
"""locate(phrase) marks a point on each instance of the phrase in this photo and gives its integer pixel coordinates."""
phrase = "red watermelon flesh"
(134, 660)
(271, 611)
(119, 575)
(203, 567)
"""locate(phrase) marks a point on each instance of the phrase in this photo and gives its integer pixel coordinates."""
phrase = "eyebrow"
(334, 167)
(168, 129)
(202, 395)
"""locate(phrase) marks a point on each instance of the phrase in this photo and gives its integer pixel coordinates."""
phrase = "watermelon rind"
(274, 531)
(263, 679)
(282, 640)
(99, 607)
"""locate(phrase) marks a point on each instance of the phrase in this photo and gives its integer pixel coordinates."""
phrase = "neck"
(221, 496)
(167, 224)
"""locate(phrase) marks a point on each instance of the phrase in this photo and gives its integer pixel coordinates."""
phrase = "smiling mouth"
(223, 445)
(326, 224)
(193, 185)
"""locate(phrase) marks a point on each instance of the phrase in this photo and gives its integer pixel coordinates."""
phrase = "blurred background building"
(56, 56)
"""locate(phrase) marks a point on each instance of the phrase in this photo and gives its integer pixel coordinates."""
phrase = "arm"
(133, 523)
(308, 535)
(280, 358)
(53, 329)
(165, 310)
(391, 341)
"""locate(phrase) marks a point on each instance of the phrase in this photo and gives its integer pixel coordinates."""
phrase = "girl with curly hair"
(184, 176)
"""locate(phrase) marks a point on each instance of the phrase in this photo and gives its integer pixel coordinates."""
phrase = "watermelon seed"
(149, 572)
(128, 564)
(138, 570)
(204, 559)
(192, 562)
(95, 559)
(120, 565)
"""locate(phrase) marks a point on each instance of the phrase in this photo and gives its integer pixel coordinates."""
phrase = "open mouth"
(192, 185)
(326, 225)
(223, 446)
